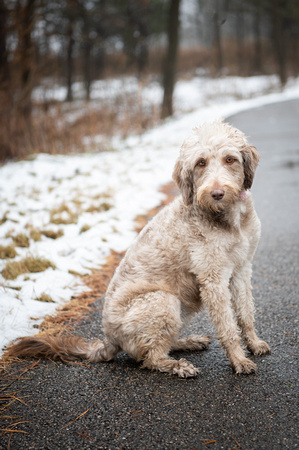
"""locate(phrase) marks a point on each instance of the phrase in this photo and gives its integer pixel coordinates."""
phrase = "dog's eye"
(201, 162)
(229, 160)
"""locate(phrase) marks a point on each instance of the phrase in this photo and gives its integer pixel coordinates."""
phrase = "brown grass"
(52, 234)
(45, 298)
(29, 264)
(84, 228)
(63, 215)
(35, 235)
(20, 240)
(50, 131)
(7, 252)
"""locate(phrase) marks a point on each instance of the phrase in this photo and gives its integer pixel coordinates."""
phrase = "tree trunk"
(257, 62)
(240, 24)
(69, 61)
(279, 38)
(25, 58)
(217, 40)
(4, 74)
(5, 89)
(171, 58)
(87, 69)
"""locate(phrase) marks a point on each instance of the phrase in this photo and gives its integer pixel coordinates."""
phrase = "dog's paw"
(184, 369)
(201, 342)
(244, 366)
(259, 348)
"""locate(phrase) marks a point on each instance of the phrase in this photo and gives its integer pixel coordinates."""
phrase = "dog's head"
(216, 165)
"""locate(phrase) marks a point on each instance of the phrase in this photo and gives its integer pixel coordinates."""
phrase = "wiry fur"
(197, 251)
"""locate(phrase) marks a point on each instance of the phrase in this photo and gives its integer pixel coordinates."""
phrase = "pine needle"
(75, 420)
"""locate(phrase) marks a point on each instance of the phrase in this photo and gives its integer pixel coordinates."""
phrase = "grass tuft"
(63, 215)
(105, 206)
(7, 252)
(35, 235)
(27, 265)
(21, 240)
(4, 218)
(52, 234)
(84, 228)
(45, 298)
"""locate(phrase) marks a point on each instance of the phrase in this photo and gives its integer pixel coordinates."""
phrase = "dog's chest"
(218, 250)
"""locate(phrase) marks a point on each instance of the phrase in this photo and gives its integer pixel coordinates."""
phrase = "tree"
(257, 63)
(217, 22)
(278, 29)
(17, 65)
(171, 58)
(25, 19)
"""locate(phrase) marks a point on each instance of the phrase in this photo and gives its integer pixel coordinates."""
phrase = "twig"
(212, 441)
(240, 446)
(12, 431)
(74, 420)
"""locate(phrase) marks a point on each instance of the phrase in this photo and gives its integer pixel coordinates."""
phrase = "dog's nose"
(217, 194)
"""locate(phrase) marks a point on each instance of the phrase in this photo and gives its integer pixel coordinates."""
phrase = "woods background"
(62, 43)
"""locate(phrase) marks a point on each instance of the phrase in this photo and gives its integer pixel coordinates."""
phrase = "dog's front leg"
(243, 304)
(216, 295)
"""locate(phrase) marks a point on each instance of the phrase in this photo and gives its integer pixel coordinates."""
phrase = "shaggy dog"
(197, 251)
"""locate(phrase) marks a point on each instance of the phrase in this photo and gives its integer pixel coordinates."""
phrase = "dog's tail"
(66, 348)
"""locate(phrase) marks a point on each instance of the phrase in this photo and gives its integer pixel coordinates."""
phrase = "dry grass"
(21, 240)
(84, 228)
(52, 234)
(7, 252)
(45, 298)
(63, 215)
(4, 218)
(35, 235)
(105, 206)
(51, 130)
(29, 264)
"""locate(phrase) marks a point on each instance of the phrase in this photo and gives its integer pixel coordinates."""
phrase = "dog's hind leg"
(149, 329)
(192, 342)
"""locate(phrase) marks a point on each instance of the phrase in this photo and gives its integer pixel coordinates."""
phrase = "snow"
(104, 191)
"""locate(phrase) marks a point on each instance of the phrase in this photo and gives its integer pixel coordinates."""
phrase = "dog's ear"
(250, 162)
(184, 180)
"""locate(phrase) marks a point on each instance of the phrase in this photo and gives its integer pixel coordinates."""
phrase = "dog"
(197, 251)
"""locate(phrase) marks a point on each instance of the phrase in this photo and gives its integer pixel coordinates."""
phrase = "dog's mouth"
(216, 200)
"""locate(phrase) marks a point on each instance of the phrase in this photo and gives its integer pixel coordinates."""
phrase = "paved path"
(128, 408)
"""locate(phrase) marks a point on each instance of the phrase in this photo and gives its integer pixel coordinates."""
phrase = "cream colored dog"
(197, 251)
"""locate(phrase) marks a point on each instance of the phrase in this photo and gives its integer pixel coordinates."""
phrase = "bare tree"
(4, 71)
(217, 22)
(70, 49)
(240, 35)
(25, 18)
(257, 63)
(171, 58)
(277, 9)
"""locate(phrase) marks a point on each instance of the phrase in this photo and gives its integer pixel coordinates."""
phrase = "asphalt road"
(129, 408)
